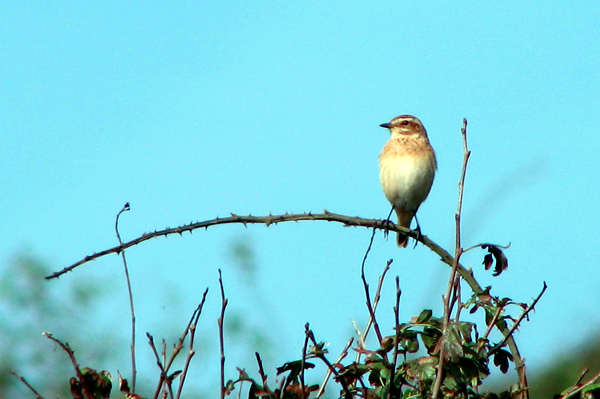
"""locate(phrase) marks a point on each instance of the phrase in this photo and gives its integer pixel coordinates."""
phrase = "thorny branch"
(517, 322)
(377, 224)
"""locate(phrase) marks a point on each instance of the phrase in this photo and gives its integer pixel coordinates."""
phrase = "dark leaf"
(76, 390)
(499, 257)
(256, 391)
(501, 360)
(295, 368)
(123, 384)
(488, 261)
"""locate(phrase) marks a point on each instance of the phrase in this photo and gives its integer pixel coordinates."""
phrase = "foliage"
(30, 306)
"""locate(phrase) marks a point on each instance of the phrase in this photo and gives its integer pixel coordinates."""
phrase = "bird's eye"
(405, 123)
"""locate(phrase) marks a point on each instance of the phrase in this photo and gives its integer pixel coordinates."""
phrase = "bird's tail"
(402, 240)
(404, 219)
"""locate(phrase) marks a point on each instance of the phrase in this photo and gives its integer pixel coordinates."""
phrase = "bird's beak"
(386, 125)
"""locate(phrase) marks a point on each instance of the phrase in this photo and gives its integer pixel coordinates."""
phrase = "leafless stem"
(192, 329)
(320, 355)
(24, 381)
(159, 362)
(493, 322)
(509, 333)
(328, 373)
(221, 335)
(71, 354)
(582, 375)
(131, 307)
(452, 280)
(306, 328)
(261, 371)
(391, 389)
(370, 306)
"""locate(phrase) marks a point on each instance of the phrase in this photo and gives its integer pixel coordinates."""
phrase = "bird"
(407, 166)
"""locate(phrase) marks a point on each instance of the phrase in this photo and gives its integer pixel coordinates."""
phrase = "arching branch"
(275, 219)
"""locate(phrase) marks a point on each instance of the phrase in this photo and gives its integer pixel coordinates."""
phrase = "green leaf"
(409, 341)
(591, 392)
(424, 316)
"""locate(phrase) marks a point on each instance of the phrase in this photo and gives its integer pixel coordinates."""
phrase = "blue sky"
(192, 110)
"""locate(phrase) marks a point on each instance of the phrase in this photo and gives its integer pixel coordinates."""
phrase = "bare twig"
(261, 371)
(391, 389)
(24, 381)
(493, 322)
(320, 355)
(221, 335)
(372, 318)
(71, 354)
(159, 362)
(458, 250)
(131, 307)
(191, 352)
(582, 375)
(329, 372)
(303, 361)
(509, 333)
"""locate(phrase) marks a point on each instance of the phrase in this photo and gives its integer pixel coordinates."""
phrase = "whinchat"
(407, 167)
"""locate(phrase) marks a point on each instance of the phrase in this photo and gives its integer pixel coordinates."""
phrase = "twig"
(509, 333)
(367, 294)
(71, 354)
(221, 338)
(131, 307)
(24, 381)
(373, 307)
(163, 372)
(579, 388)
(492, 322)
(452, 280)
(319, 354)
(328, 373)
(306, 329)
(391, 389)
(261, 371)
(191, 352)
(582, 375)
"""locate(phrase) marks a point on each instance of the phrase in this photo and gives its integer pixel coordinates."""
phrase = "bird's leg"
(386, 232)
(418, 230)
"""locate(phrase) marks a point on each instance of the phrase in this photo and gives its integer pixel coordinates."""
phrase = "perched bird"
(407, 167)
